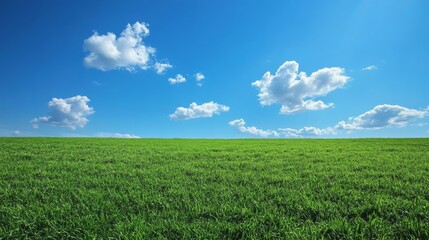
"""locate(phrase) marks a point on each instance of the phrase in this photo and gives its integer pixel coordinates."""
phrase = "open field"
(151, 188)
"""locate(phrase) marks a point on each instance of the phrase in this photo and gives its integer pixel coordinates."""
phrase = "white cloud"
(116, 135)
(128, 51)
(69, 112)
(379, 117)
(382, 116)
(199, 77)
(199, 111)
(178, 79)
(240, 124)
(370, 68)
(306, 132)
(296, 91)
(162, 67)
(10, 133)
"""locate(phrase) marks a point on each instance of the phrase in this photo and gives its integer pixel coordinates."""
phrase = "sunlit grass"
(150, 188)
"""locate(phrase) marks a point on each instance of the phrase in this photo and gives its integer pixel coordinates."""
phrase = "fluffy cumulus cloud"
(177, 79)
(295, 91)
(68, 112)
(127, 51)
(162, 67)
(383, 116)
(116, 135)
(240, 124)
(370, 68)
(204, 110)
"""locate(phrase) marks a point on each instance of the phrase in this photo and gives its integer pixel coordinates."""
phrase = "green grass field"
(56, 188)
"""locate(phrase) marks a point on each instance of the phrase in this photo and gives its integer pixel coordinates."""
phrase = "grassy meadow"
(74, 188)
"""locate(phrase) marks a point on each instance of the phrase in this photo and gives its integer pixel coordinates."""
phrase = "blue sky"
(128, 68)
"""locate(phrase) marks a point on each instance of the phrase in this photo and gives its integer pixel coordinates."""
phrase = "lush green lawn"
(151, 188)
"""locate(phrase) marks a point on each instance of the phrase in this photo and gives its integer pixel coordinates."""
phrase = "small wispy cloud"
(115, 135)
(306, 132)
(370, 68)
(204, 110)
(177, 79)
(240, 124)
(162, 67)
(199, 77)
(10, 133)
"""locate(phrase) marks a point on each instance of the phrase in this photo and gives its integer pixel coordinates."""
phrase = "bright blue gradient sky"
(233, 44)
